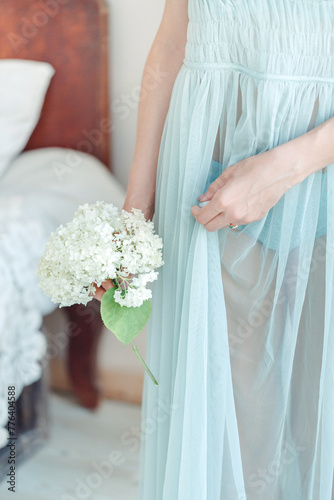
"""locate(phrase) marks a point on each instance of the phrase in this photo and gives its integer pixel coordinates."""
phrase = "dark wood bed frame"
(72, 35)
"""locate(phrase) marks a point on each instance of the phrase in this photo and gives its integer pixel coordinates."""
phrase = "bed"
(65, 162)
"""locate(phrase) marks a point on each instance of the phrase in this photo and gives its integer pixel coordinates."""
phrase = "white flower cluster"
(99, 244)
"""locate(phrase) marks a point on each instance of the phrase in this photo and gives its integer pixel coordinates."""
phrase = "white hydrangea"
(144, 278)
(134, 297)
(98, 244)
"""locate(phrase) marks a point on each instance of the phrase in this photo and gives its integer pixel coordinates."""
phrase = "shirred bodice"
(279, 38)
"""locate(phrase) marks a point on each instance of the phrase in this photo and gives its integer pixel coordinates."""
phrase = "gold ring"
(232, 226)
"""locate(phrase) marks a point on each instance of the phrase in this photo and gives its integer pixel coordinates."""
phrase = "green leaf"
(124, 322)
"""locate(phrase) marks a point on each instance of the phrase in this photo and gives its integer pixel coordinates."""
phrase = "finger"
(215, 186)
(99, 292)
(108, 284)
(219, 222)
(204, 214)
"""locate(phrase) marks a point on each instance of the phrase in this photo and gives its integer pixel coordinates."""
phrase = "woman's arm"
(311, 151)
(246, 191)
(162, 65)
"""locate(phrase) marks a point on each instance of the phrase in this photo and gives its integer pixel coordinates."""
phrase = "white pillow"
(23, 85)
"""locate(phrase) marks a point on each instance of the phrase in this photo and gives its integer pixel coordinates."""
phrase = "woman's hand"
(247, 190)
(106, 285)
(100, 290)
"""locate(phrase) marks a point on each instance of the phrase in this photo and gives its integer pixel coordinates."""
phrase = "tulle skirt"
(241, 336)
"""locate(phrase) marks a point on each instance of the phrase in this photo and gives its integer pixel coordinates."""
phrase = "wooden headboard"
(72, 35)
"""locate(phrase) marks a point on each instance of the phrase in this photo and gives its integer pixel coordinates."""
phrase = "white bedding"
(41, 190)
(23, 86)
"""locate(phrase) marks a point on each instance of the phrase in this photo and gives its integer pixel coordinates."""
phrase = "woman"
(241, 332)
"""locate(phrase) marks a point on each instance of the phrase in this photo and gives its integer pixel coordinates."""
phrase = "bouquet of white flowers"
(100, 244)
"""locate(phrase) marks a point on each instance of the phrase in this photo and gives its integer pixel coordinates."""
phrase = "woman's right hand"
(100, 290)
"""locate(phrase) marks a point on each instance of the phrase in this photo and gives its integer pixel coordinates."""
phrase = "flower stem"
(135, 348)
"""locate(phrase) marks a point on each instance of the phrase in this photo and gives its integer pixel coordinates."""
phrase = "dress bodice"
(274, 37)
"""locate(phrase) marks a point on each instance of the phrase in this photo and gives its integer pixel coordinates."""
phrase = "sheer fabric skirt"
(241, 336)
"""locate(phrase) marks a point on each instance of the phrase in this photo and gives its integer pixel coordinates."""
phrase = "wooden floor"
(90, 455)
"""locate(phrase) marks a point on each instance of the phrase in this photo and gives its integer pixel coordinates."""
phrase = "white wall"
(133, 25)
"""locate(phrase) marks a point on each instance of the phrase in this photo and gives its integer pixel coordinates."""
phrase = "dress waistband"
(220, 66)
(266, 52)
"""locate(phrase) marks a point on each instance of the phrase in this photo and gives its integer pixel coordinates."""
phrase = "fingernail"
(203, 203)
(200, 198)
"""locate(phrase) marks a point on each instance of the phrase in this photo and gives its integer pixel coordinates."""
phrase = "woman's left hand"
(247, 190)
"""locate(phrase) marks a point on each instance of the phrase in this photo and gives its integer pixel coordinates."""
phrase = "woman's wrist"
(140, 194)
(139, 202)
(142, 201)
(307, 153)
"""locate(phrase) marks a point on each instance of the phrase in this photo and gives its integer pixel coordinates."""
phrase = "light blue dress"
(241, 336)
